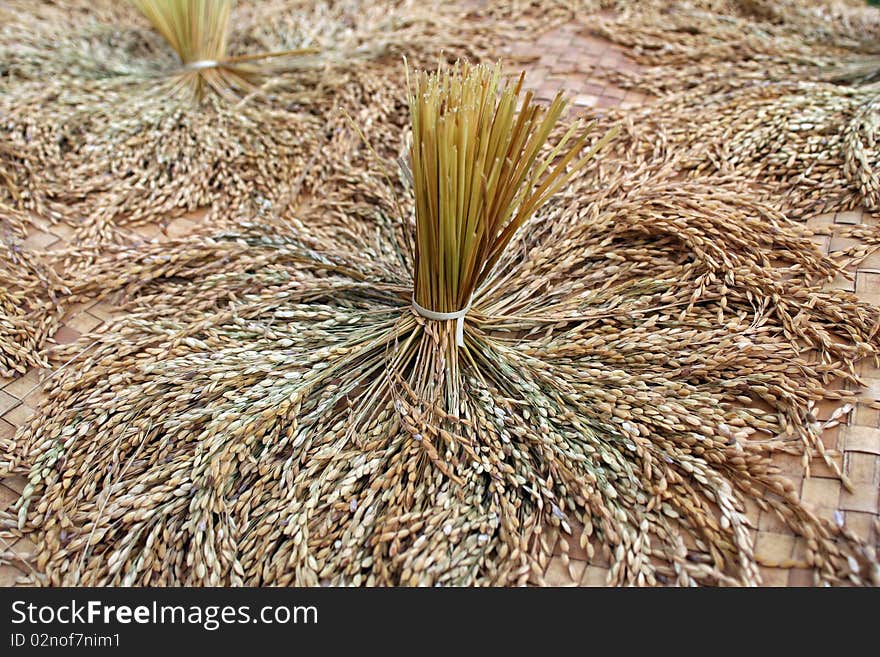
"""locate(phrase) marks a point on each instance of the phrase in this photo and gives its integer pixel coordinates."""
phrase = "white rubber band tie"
(458, 316)
(202, 63)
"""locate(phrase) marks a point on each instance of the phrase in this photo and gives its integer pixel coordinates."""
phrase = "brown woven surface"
(564, 59)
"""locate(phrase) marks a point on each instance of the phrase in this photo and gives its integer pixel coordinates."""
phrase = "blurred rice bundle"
(179, 105)
(784, 93)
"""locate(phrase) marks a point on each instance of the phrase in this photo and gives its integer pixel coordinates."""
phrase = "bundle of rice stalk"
(778, 92)
(660, 30)
(198, 31)
(724, 46)
(620, 360)
(126, 121)
(203, 105)
(809, 147)
(120, 136)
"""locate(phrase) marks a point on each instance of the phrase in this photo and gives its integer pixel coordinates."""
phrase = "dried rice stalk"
(198, 31)
(87, 100)
(272, 411)
(29, 288)
(477, 175)
(14, 167)
(723, 46)
(810, 148)
(29, 308)
(778, 92)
